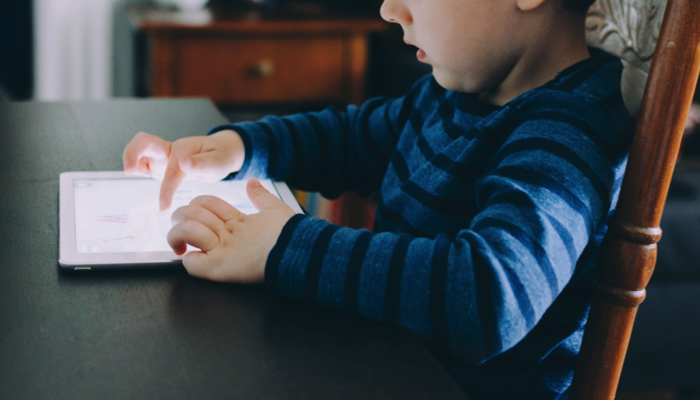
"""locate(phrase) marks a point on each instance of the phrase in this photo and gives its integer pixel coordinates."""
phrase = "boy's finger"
(172, 179)
(141, 144)
(194, 234)
(130, 159)
(260, 197)
(201, 166)
(199, 214)
(196, 263)
(131, 153)
(217, 206)
(140, 169)
(198, 163)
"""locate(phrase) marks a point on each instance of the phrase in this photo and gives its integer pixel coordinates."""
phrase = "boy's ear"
(528, 5)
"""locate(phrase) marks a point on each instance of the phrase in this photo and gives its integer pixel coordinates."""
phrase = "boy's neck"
(549, 50)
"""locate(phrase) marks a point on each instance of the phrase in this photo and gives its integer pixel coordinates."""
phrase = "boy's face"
(471, 44)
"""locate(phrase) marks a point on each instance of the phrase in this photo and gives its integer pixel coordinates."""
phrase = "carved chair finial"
(628, 29)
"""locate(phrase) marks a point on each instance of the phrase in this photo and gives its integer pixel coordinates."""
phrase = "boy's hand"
(207, 158)
(234, 246)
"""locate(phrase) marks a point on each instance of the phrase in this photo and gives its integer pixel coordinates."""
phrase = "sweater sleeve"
(480, 292)
(330, 151)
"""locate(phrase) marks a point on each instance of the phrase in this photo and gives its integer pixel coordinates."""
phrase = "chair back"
(634, 30)
(629, 29)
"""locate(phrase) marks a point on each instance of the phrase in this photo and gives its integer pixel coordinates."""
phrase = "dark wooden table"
(161, 334)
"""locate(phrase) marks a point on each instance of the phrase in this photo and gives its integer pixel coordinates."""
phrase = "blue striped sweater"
(488, 219)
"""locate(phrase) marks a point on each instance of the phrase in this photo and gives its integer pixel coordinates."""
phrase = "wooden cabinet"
(254, 57)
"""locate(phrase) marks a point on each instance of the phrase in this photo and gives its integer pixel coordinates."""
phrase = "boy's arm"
(481, 292)
(331, 151)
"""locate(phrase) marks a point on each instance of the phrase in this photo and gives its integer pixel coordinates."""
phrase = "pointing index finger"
(172, 179)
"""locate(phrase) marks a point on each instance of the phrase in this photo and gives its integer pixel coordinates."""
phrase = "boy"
(495, 176)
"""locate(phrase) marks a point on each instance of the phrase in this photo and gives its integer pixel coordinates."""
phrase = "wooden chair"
(629, 29)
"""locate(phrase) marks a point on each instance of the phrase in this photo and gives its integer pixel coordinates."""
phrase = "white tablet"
(110, 220)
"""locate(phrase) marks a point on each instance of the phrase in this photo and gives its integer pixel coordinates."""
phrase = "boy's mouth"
(420, 54)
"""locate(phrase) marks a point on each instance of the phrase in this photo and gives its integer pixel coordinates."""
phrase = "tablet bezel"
(70, 259)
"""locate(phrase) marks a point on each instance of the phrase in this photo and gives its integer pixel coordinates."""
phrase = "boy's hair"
(577, 5)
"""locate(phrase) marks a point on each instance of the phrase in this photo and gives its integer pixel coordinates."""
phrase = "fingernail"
(162, 205)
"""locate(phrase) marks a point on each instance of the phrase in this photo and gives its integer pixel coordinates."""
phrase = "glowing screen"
(121, 215)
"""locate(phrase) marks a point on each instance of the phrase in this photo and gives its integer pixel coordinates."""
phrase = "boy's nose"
(395, 11)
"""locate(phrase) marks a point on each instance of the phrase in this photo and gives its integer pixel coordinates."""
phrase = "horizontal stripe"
(425, 148)
(323, 150)
(248, 146)
(471, 170)
(486, 285)
(298, 163)
(574, 81)
(272, 161)
(352, 277)
(536, 179)
(275, 257)
(465, 205)
(533, 246)
(407, 109)
(521, 199)
(603, 143)
(416, 122)
(438, 282)
(391, 127)
(313, 270)
(374, 153)
(558, 150)
(397, 219)
(392, 299)
(440, 205)
(446, 111)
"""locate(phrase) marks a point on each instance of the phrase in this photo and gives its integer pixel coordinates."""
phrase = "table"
(161, 334)
(256, 56)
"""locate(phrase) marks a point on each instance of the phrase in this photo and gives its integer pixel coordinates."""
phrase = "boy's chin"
(442, 80)
(457, 83)
(448, 82)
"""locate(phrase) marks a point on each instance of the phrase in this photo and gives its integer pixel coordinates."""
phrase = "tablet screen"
(121, 215)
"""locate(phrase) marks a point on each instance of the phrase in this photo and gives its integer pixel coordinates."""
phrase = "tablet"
(110, 220)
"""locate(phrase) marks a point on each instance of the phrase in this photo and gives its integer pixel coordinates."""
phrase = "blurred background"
(95, 49)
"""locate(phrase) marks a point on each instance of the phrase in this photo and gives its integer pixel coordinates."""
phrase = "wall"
(74, 49)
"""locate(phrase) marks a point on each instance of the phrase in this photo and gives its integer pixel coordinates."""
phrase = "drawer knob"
(264, 68)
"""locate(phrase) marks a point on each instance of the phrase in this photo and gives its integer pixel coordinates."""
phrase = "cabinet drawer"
(249, 70)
